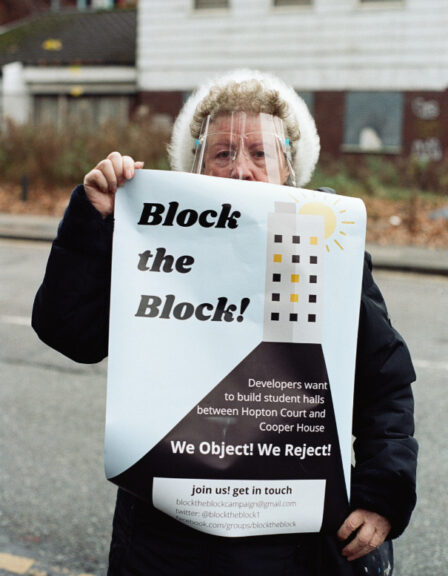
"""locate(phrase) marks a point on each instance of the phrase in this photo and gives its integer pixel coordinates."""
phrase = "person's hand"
(372, 530)
(101, 183)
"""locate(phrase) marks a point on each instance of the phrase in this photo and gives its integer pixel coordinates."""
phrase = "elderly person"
(250, 126)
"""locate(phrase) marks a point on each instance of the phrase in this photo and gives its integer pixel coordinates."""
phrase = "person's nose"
(241, 167)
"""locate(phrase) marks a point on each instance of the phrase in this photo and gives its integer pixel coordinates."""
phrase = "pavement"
(11, 565)
(401, 258)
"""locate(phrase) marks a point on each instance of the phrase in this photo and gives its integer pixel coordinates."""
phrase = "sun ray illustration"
(321, 204)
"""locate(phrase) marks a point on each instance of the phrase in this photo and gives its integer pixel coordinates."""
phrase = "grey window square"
(296, 239)
(210, 4)
(373, 120)
(275, 297)
(313, 279)
(295, 259)
(313, 259)
(278, 238)
(292, 2)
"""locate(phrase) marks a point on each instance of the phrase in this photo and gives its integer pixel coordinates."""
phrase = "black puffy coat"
(71, 314)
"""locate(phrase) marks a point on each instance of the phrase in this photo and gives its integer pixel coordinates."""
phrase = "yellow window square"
(277, 257)
(295, 278)
(293, 297)
(313, 240)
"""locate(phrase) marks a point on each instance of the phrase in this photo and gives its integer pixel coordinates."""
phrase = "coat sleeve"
(71, 308)
(384, 476)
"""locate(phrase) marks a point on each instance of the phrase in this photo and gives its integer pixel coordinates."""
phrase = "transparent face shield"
(244, 146)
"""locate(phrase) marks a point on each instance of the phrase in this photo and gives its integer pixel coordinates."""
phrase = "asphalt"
(400, 258)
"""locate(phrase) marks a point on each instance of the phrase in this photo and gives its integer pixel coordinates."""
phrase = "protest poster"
(233, 328)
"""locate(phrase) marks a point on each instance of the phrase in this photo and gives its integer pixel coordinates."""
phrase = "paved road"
(56, 507)
(419, 308)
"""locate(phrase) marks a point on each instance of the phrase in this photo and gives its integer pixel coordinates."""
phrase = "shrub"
(382, 177)
(60, 157)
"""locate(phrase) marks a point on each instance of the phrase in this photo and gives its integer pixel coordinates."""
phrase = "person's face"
(245, 147)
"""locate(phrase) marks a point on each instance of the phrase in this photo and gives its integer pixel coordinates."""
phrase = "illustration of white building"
(294, 276)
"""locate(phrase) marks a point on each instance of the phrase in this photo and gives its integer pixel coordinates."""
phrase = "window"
(308, 98)
(381, 1)
(292, 2)
(90, 110)
(210, 4)
(373, 122)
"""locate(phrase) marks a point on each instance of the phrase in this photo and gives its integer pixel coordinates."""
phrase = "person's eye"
(258, 153)
(223, 154)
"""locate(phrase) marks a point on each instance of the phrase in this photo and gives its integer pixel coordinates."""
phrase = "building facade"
(69, 66)
(373, 72)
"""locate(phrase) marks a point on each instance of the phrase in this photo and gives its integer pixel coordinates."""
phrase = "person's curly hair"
(246, 96)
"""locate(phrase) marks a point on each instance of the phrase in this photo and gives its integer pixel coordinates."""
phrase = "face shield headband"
(244, 146)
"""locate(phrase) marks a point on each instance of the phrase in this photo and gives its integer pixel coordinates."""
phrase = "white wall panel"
(336, 44)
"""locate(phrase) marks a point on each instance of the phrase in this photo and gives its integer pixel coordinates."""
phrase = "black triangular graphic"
(294, 363)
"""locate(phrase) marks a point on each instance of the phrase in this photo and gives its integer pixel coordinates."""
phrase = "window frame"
(386, 149)
(210, 9)
(298, 6)
(380, 4)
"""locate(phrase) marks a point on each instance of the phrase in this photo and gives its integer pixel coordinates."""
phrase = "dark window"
(276, 277)
(275, 316)
(292, 2)
(296, 259)
(312, 298)
(313, 279)
(275, 297)
(308, 98)
(296, 239)
(373, 121)
(293, 317)
(278, 238)
(200, 4)
(311, 317)
(313, 259)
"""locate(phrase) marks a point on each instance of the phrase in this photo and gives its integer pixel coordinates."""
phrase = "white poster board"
(233, 329)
